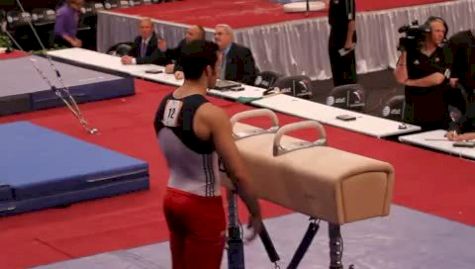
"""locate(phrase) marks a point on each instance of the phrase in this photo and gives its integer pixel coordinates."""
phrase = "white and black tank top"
(193, 162)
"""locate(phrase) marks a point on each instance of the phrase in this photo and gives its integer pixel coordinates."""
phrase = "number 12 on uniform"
(172, 111)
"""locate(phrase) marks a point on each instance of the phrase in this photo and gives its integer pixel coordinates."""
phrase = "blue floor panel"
(42, 168)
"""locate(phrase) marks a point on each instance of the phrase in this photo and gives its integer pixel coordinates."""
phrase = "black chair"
(16, 18)
(18, 27)
(351, 96)
(124, 3)
(87, 30)
(44, 19)
(120, 49)
(112, 4)
(266, 79)
(134, 3)
(40, 16)
(393, 109)
(298, 86)
(86, 19)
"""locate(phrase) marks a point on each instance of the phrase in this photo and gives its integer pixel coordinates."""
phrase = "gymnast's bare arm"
(211, 121)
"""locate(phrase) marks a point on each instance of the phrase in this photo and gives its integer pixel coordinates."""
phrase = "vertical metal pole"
(235, 244)
(336, 246)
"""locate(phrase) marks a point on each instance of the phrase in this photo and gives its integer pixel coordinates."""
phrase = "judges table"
(362, 123)
(96, 59)
(366, 124)
(438, 141)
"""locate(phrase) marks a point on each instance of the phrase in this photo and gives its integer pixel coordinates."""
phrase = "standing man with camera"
(424, 70)
(342, 41)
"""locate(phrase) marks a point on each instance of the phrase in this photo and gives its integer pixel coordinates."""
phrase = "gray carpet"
(407, 239)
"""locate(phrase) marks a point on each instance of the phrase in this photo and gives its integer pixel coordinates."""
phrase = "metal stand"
(308, 8)
(305, 243)
(269, 246)
(62, 92)
(336, 245)
(235, 244)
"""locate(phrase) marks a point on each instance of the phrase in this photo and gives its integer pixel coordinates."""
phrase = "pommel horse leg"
(336, 245)
(235, 243)
(305, 243)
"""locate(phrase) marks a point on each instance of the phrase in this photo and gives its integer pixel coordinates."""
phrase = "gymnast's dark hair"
(196, 55)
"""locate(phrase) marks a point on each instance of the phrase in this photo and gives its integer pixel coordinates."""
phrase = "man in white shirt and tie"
(145, 49)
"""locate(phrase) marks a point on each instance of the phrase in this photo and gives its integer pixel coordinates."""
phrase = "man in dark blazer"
(237, 61)
(194, 32)
(145, 49)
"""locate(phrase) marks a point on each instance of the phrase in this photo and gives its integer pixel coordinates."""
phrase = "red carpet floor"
(12, 55)
(246, 13)
(427, 181)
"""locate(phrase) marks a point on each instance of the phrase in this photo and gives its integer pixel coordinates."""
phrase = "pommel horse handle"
(278, 149)
(254, 114)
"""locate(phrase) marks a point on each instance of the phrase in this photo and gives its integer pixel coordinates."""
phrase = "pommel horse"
(325, 183)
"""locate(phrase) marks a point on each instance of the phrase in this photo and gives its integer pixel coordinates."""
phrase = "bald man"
(238, 63)
(194, 32)
(145, 50)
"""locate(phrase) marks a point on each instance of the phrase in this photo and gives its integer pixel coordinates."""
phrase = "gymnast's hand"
(255, 223)
(179, 75)
(126, 59)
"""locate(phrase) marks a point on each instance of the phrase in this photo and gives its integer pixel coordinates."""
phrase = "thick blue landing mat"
(23, 89)
(41, 168)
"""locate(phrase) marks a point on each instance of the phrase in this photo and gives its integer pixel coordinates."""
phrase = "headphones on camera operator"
(416, 34)
(432, 19)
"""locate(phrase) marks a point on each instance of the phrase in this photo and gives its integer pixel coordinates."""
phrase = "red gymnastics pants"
(197, 229)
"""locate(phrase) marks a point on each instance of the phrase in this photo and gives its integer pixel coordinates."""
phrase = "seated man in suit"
(195, 32)
(145, 49)
(238, 63)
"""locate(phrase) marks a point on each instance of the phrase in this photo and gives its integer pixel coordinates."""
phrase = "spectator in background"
(145, 49)
(424, 70)
(342, 41)
(238, 62)
(462, 48)
(66, 25)
(195, 32)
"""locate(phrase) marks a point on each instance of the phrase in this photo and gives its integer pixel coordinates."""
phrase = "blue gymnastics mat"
(41, 168)
(23, 89)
